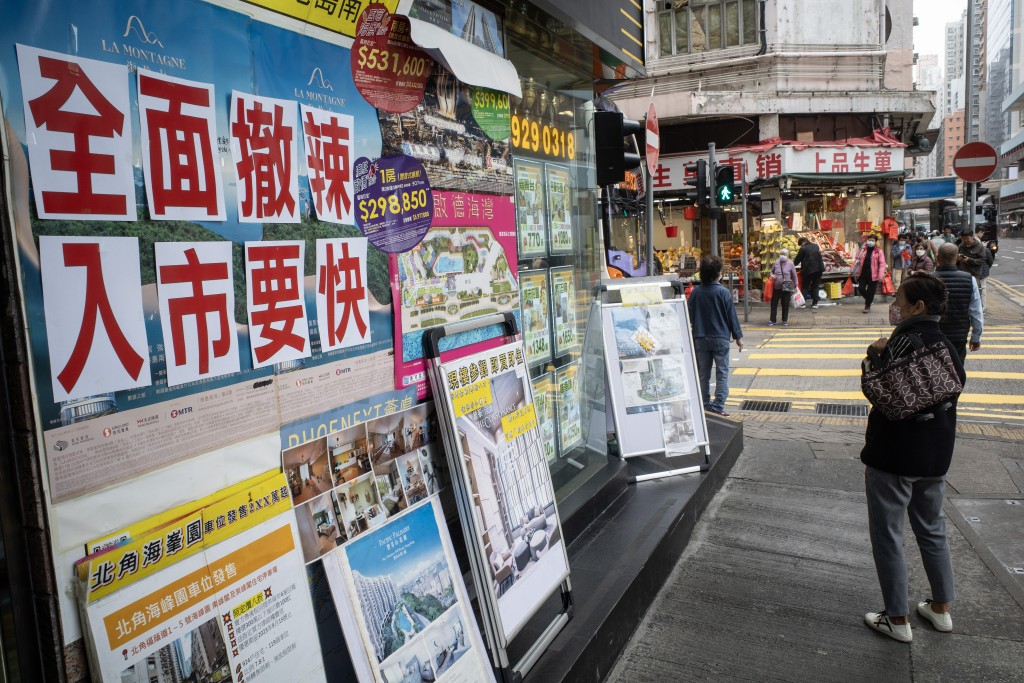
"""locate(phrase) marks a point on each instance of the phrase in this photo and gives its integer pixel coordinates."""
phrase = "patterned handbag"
(913, 384)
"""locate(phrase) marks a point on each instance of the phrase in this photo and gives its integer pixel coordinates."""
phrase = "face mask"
(920, 252)
(894, 314)
(870, 243)
(783, 257)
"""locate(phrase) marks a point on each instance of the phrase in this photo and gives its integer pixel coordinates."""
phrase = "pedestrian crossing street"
(813, 369)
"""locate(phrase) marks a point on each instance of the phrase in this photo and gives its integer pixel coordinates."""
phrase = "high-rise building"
(377, 596)
(953, 130)
(996, 121)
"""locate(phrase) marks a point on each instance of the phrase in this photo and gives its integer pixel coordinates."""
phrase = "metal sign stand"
(634, 432)
(497, 640)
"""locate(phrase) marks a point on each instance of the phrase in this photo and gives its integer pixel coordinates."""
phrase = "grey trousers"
(889, 496)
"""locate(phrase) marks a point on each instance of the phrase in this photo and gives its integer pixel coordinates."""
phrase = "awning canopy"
(468, 62)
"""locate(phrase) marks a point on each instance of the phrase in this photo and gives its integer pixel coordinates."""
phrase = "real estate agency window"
(700, 25)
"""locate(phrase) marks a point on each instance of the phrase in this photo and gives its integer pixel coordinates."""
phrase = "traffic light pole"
(712, 199)
(743, 268)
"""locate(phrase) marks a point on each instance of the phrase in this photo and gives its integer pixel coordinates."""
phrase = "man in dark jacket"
(976, 260)
(811, 267)
(714, 323)
(963, 312)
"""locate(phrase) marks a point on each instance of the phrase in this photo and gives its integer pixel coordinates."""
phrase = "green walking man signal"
(725, 177)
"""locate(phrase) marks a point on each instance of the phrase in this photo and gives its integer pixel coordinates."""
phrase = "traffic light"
(697, 176)
(613, 155)
(725, 178)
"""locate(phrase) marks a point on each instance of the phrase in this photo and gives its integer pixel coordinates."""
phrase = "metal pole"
(974, 200)
(650, 223)
(712, 203)
(743, 266)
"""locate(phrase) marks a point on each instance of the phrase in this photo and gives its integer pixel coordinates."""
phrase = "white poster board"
(652, 372)
(403, 606)
(502, 471)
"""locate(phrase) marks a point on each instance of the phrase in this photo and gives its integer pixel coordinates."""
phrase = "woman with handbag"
(783, 285)
(868, 270)
(907, 451)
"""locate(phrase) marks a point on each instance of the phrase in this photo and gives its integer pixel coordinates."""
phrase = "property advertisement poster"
(465, 268)
(489, 401)
(544, 402)
(563, 303)
(533, 235)
(558, 183)
(657, 402)
(533, 288)
(368, 467)
(97, 434)
(649, 345)
(442, 134)
(403, 607)
(567, 392)
(236, 609)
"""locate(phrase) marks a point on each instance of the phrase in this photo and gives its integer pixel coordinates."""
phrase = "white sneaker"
(879, 621)
(941, 622)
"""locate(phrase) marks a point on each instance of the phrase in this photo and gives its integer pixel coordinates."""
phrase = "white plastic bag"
(798, 298)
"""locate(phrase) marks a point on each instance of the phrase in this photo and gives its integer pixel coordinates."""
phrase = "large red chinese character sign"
(95, 326)
(197, 309)
(264, 147)
(179, 149)
(79, 136)
(329, 138)
(342, 304)
(278, 331)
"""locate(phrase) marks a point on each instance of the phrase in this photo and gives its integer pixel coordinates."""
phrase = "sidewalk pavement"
(778, 575)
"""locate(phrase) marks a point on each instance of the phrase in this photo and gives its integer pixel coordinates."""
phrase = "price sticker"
(394, 202)
(491, 112)
(389, 70)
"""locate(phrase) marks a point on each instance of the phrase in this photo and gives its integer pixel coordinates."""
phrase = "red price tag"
(389, 70)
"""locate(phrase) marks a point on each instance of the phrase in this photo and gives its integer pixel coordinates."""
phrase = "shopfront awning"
(470, 63)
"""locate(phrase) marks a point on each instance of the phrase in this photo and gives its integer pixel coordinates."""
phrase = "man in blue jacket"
(714, 323)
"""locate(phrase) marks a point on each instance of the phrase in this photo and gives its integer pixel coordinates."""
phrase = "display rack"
(546, 580)
(646, 420)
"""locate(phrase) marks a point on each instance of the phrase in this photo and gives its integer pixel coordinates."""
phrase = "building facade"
(811, 73)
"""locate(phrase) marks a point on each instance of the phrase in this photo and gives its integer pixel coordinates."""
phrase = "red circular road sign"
(975, 162)
(653, 140)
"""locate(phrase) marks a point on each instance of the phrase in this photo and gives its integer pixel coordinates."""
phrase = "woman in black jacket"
(906, 464)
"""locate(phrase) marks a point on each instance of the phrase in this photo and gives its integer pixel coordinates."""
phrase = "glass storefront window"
(561, 249)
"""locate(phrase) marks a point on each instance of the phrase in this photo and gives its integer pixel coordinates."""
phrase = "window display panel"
(549, 129)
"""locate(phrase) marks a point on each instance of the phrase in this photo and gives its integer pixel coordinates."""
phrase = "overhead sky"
(932, 17)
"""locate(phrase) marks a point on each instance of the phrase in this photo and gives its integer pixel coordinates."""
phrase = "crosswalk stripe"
(759, 355)
(782, 394)
(855, 372)
(996, 336)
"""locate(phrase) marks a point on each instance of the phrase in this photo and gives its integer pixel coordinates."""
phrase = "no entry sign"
(975, 162)
(653, 140)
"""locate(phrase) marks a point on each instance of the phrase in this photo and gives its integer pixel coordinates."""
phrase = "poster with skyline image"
(403, 606)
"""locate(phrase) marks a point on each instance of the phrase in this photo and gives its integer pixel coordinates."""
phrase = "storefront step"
(622, 558)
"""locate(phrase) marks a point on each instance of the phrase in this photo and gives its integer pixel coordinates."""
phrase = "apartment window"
(700, 25)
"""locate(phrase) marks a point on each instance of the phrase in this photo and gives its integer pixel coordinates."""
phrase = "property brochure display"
(500, 465)
(533, 288)
(348, 482)
(558, 183)
(567, 392)
(403, 607)
(220, 594)
(651, 373)
(174, 277)
(544, 403)
(533, 236)
(464, 268)
(563, 301)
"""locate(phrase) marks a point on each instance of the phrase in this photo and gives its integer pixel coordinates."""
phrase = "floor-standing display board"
(503, 485)
(651, 369)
